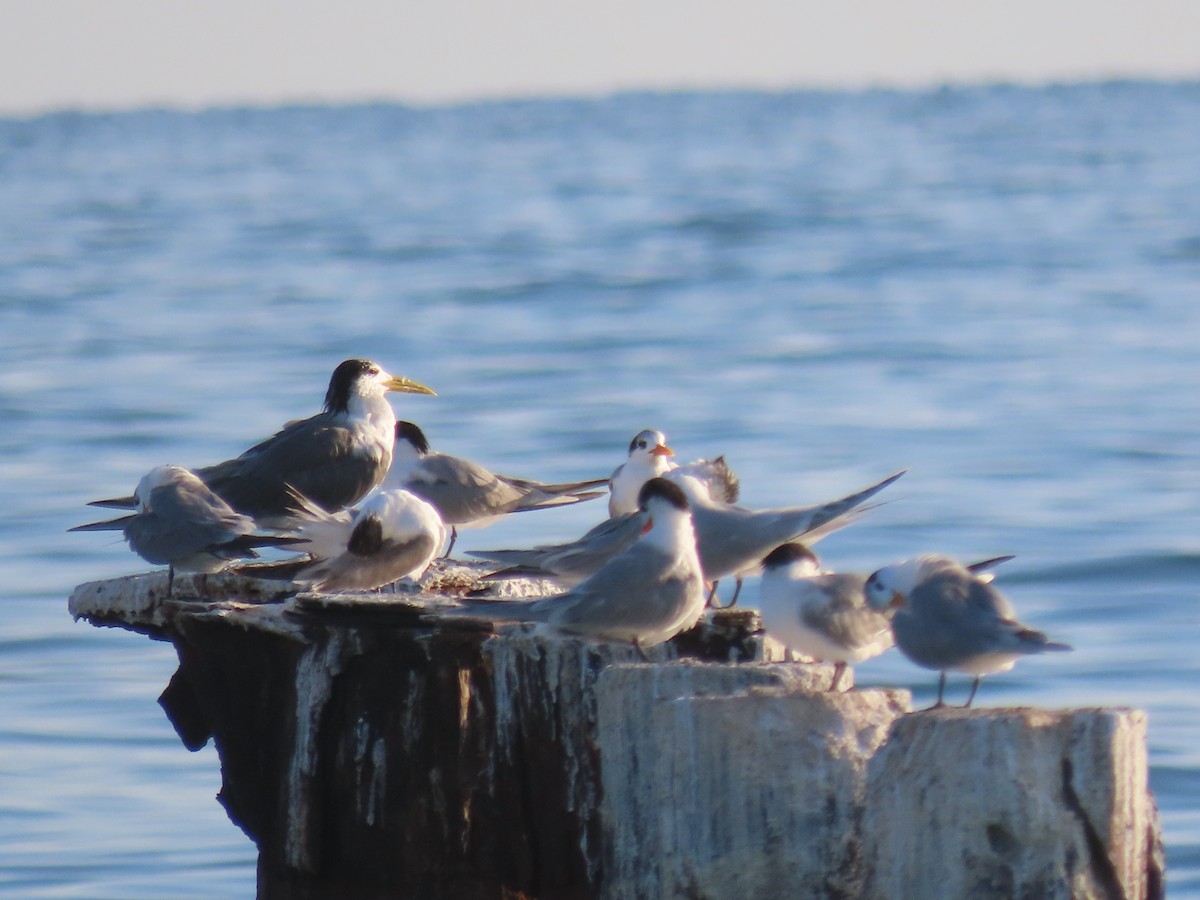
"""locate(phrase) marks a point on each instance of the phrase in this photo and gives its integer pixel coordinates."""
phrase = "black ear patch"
(667, 490)
(409, 432)
(367, 537)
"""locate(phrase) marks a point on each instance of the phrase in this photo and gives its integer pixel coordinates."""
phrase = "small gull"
(945, 616)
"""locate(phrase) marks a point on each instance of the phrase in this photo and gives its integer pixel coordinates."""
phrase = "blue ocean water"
(995, 287)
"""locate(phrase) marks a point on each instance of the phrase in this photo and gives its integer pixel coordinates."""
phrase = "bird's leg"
(712, 596)
(941, 689)
(453, 538)
(202, 586)
(641, 651)
(974, 688)
(170, 580)
(838, 669)
(736, 592)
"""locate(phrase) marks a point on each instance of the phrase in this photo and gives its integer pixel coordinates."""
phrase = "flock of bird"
(364, 502)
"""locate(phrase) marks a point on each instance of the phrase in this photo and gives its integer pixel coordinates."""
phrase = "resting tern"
(465, 493)
(180, 523)
(730, 540)
(947, 617)
(820, 614)
(645, 595)
(650, 457)
(392, 534)
(334, 458)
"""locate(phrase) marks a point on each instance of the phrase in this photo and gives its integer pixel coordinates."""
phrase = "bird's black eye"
(642, 445)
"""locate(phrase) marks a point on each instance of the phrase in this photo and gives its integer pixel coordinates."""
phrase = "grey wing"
(319, 459)
(634, 592)
(845, 617)
(390, 561)
(461, 490)
(574, 561)
(956, 615)
(164, 541)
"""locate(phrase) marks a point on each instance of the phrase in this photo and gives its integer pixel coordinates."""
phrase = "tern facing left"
(948, 617)
(391, 535)
(180, 523)
(464, 492)
(646, 595)
(820, 614)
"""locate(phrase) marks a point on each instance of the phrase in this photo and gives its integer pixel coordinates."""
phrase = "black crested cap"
(667, 490)
(408, 431)
(337, 398)
(788, 553)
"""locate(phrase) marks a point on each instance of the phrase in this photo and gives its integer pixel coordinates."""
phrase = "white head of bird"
(889, 587)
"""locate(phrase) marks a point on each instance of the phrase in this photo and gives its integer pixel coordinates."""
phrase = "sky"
(117, 54)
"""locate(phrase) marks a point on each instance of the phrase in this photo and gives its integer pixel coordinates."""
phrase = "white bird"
(334, 458)
(393, 534)
(730, 540)
(465, 493)
(178, 522)
(650, 457)
(645, 595)
(820, 614)
(945, 616)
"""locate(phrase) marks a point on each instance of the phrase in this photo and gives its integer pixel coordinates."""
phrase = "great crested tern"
(334, 458)
(650, 457)
(392, 534)
(464, 492)
(644, 595)
(947, 617)
(180, 523)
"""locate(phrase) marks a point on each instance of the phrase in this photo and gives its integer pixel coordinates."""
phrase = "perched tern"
(178, 522)
(945, 616)
(392, 534)
(820, 614)
(465, 493)
(645, 595)
(334, 458)
(650, 457)
(730, 540)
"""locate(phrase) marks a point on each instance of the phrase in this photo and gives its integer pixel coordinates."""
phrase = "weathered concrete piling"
(372, 748)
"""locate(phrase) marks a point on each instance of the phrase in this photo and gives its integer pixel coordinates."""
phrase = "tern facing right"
(646, 595)
(821, 614)
(948, 617)
(650, 457)
(334, 458)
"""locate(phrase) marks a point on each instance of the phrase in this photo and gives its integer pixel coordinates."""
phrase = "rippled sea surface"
(997, 288)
